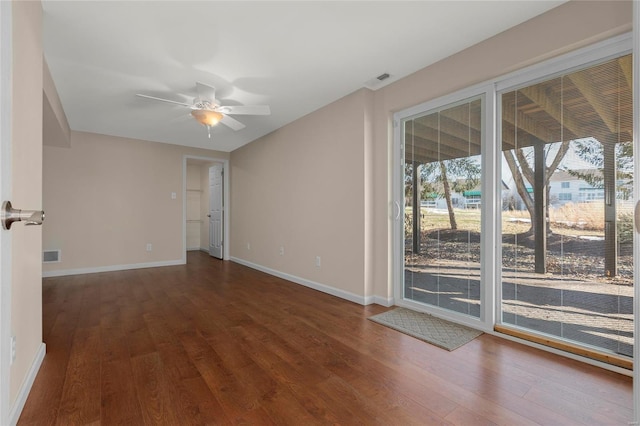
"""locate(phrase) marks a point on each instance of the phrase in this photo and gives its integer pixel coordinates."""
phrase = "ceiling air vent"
(377, 82)
(51, 256)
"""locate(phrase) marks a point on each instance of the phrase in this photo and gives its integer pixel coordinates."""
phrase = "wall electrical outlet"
(318, 261)
(173, 195)
(149, 247)
(248, 246)
(281, 251)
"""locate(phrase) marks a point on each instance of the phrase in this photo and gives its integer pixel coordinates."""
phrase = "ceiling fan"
(206, 109)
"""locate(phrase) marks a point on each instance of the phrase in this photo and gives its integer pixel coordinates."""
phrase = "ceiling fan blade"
(164, 100)
(232, 123)
(206, 92)
(247, 109)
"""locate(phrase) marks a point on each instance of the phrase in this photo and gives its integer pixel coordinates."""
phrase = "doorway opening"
(206, 206)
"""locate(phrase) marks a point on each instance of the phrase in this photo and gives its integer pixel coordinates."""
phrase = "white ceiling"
(294, 56)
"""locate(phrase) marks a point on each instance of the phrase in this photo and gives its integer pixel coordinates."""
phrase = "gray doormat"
(439, 332)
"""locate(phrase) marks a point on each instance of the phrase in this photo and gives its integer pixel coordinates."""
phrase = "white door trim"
(225, 170)
(216, 210)
(5, 194)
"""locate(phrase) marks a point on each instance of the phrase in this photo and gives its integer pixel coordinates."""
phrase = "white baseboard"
(16, 410)
(111, 268)
(314, 285)
(387, 302)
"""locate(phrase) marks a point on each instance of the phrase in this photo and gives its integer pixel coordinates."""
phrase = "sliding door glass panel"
(567, 185)
(443, 207)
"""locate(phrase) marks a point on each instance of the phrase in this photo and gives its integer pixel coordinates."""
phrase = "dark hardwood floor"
(215, 342)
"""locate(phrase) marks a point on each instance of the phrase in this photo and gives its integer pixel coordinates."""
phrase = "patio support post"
(416, 208)
(540, 209)
(610, 220)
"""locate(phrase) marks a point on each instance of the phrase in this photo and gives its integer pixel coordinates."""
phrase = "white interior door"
(216, 210)
(21, 78)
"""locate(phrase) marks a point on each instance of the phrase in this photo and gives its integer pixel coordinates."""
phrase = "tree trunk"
(520, 186)
(416, 209)
(526, 172)
(447, 195)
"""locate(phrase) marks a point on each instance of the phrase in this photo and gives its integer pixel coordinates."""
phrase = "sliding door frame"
(491, 256)
(565, 64)
(636, 194)
(486, 92)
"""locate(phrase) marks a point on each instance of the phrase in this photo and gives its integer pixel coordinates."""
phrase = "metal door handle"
(396, 205)
(29, 217)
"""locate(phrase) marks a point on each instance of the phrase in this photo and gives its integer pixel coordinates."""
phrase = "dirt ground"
(573, 300)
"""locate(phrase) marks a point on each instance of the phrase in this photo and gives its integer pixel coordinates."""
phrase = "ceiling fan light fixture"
(206, 117)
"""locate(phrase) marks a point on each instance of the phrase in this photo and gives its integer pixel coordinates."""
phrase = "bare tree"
(448, 176)
(447, 195)
(521, 170)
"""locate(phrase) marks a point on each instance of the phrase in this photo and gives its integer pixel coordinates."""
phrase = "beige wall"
(301, 187)
(322, 184)
(26, 288)
(56, 131)
(119, 193)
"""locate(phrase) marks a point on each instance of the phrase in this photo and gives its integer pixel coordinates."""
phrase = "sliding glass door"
(514, 204)
(567, 207)
(443, 207)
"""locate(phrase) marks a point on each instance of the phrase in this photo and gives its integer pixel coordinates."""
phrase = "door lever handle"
(10, 215)
(396, 205)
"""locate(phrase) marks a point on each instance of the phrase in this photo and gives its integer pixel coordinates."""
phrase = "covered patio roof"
(595, 102)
